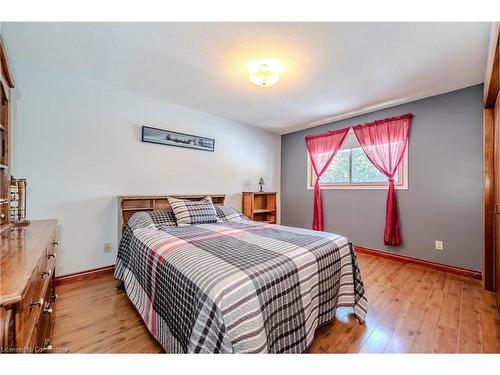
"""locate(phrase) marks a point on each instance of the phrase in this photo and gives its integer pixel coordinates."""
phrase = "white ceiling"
(331, 70)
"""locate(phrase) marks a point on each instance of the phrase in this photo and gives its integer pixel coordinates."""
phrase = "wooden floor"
(411, 309)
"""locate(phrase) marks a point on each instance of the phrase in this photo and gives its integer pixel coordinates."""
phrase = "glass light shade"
(264, 73)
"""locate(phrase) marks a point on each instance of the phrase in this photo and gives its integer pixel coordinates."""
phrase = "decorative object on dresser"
(18, 201)
(261, 182)
(14, 200)
(130, 204)
(260, 206)
(170, 138)
(27, 294)
(6, 86)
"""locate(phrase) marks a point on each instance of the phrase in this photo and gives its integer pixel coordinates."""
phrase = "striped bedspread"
(241, 287)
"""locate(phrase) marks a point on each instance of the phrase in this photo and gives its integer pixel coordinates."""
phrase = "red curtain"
(384, 143)
(322, 149)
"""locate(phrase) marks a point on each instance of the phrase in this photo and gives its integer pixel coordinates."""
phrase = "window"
(351, 169)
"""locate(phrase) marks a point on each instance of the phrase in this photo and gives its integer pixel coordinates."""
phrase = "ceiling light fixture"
(264, 73)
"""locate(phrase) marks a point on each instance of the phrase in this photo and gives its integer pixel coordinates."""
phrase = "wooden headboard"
(130, 204)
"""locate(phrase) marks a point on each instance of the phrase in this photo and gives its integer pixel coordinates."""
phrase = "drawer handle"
(53, 298)
(53, 255)
(36, 303)
(48, 273)
(47, 309)
(47, 348)
(55, 243)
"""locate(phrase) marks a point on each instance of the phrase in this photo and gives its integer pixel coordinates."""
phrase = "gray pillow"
(228, 213)
(189, 212)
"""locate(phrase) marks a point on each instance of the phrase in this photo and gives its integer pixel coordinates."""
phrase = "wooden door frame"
(488, 199)
(491, 88)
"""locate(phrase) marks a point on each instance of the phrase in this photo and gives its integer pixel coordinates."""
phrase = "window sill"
(358, 187)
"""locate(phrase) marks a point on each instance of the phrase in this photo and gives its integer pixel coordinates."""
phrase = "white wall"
(77, 142)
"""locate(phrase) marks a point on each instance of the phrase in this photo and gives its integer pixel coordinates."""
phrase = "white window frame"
(401, 184)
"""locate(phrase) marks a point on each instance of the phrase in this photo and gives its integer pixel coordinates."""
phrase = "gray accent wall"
(444, 196)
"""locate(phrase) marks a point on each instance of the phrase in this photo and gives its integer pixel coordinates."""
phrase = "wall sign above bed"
(170, 138)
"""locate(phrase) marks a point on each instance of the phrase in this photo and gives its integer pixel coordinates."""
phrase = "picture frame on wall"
(176, 139)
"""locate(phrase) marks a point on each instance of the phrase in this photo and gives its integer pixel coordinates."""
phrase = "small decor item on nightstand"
(261, 182)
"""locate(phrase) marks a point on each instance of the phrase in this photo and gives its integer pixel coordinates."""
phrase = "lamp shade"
(261, 181)
(264, 73)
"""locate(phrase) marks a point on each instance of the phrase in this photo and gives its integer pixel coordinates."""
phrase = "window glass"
(338, 170)
(363, 171)
(351, 168)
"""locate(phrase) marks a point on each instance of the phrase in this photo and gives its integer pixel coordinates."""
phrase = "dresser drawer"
(45, 324)
(52, 248)
(50, 254)
(33, 303)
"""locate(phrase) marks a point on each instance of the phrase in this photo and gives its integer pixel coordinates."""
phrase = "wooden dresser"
(27, 294)
(6, 87)
(260, 206)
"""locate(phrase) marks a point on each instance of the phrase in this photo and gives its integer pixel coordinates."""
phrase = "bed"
(235, 286)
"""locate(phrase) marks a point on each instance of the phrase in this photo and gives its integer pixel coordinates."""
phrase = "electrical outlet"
(107, 247)
(439, 245)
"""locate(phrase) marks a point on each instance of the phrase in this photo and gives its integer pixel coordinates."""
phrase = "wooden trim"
(5, 227)
(3, 56)
(492, 78)
(184, 196)
(259, 192)
(78, 276)
(420, 262)
(89, 274)
(491, 89)
(6, 84)
(488, 199)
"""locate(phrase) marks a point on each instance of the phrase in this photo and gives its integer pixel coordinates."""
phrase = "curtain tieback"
(391, 180)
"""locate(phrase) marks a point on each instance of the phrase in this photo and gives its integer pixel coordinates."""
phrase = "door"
(496, 205)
